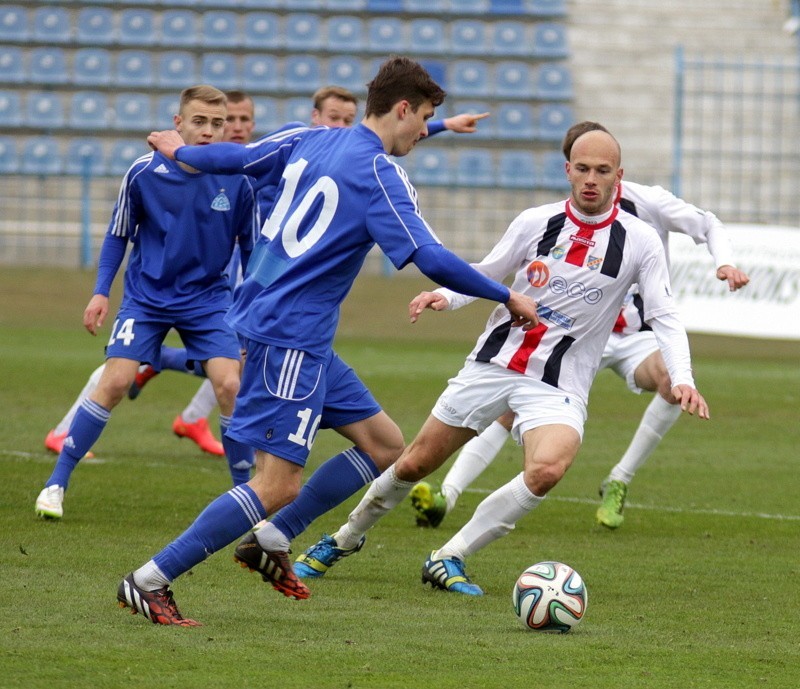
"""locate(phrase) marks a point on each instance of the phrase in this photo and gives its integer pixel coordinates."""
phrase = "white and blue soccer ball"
(550, 597)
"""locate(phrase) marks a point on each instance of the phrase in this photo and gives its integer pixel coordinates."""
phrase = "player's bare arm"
(94, 315)
(691, 400)
(465, 123)
(736, 278)
(166, 142)
(426, 300)
(523, 309)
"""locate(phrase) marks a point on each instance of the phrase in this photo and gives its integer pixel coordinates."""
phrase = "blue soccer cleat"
(321, 556)
(448, 574)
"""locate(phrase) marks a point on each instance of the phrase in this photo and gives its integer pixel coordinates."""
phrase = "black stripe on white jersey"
(638, 302)
(494, 343)
(552, 368)
(616, 245)
(554, 227)
(628, 206)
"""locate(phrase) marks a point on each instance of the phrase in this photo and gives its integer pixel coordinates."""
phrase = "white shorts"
(624, 353)
(481, 393)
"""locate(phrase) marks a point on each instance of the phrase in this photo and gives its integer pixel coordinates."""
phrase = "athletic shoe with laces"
(157, 606)
(321, 556)
(200, 433)
(54, 442)
(50, 503)
(613, 493)
(430, 506)
(273, 566)
(145, 374)
(448, 574)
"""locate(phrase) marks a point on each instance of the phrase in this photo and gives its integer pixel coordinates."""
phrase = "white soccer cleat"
(50, 503)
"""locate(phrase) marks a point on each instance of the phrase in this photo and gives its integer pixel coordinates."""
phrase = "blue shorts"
(138, 334)
(287, 395)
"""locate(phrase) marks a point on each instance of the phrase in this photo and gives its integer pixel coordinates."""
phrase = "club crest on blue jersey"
(558, 252)
(221, 202)
(593, 262)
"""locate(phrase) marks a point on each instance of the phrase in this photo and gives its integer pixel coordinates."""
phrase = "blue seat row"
(99, 26)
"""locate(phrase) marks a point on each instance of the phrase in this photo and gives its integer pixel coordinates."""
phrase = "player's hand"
(465, 123)
(736, 278)
(426, 300)
(95, 313)
(166, 142)
(691, 401)
(523, 309)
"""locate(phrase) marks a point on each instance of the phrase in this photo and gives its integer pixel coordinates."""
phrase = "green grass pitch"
(699, 588)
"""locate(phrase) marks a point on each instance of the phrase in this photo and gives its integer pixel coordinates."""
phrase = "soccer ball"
(550, 597)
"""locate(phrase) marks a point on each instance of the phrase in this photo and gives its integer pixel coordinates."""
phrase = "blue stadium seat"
(179, 28)
(554, 120)
(134, 68)
(11, 66)
(385, 5)
(425, 6)
(123, 153)
(296, 110)
(475, 168)
(470, 7)
(91, 67)
(10, 109)
(137, 27)
(14, 24)
(262, 30)
(430, 166)
(427, 36)
(553, 82)
(552, 175)
(517, 170)
(166, 109)
(305, 4)
(260, 73)
(486, 127)
(468, 37)
(52, 25)
(550, 41)
(264, 3)
(507, 7)
(134, 111)
(48, 66)
(438, 71)
(268, 114)
(515, 121)
(512, 80)
(44, 110)
(469, 78)
(345, 34)
(9, 162)
(88, 110)
(41, 155)
(338, 5)
(546, 8)
(301, 74)
(177, 69)
(302, 32)
(220, 70)
(346, 72)
(96, 26)
(85, 155)
(510, 38)
(386, 35)
(221, 29)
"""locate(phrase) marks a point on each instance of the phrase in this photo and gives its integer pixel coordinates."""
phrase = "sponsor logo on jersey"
(593, 262)
(558, 252)
(555, 317)
(538, 274)
(162, 169)
(559, 285)
(221, 202)
(586, 241)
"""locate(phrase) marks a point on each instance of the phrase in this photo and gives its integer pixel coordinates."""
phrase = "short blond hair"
(205, 93)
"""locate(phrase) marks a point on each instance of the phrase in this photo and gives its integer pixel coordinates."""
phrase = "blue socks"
(227, 518)
(89, 422)
(330, 485)
(240, 456)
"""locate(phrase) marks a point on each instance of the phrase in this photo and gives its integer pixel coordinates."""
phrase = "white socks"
(658, 418)
(272, 539)
(202, 403)
(494, 518)
(476, 455)
(386, 492)
(88, 389)
(149, 577)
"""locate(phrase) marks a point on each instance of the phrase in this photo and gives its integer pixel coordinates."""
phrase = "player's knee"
(542, 477)
(226, 390)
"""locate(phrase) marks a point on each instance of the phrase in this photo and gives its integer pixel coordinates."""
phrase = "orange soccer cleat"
(55, 443)
(200, 433)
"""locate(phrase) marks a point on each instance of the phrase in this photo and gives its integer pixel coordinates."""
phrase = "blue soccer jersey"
(183, 227)
(339, 194)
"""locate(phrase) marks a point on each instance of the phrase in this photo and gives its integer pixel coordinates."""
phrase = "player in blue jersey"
(339, 194)
(183, 225)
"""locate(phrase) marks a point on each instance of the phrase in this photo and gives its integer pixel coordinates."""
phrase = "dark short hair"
(401, 78)
(577, 130)
(237, 96)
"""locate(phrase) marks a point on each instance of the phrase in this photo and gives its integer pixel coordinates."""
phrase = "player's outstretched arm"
(426, 300)
(523, 309)
(691, 400)
(166, 142)
(95, 313)
(464, 123)
(736, 278)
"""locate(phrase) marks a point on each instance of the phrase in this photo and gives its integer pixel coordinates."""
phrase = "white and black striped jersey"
(578, 270)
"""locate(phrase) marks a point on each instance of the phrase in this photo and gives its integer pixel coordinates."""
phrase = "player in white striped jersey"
(632, 352)
(577, 259)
